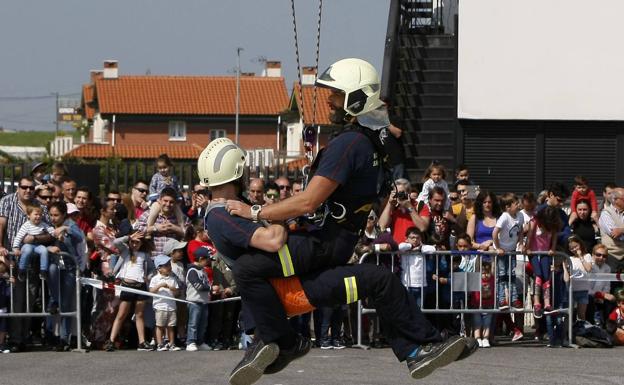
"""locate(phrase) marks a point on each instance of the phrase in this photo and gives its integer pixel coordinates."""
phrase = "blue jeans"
(503, 271)
(197, 323)
(332, 317)
(541, 266)
(62, 287)
(415, 292)
(27, 252)
(555, 326)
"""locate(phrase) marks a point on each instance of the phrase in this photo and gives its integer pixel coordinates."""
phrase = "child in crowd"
(59, 172)
(5, 293)
(542, 237)
(469, 262)
(434, 177)
(462, 174)
(413, 263)
(485, 300)
(556, 320)
(165, 284)
(37, 172)
(175, 250)
(163, 178)
(33, 226)
(133, 268)
(582, 191)
(581, 265)
(507, 236)
(200, 239)
(615, 323)
(198, 292)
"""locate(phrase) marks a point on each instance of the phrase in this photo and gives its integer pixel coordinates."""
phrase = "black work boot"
(257, 357)
(433, 356)
(301, 348)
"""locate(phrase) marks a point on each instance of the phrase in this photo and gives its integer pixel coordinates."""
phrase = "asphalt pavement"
(523, 364)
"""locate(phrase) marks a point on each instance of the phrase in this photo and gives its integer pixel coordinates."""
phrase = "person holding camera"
(402, 212)
(199, 202)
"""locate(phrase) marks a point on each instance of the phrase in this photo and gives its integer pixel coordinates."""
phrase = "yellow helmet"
(221, 162)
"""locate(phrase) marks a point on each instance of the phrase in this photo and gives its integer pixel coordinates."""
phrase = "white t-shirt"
(578, 271)
(510, 229)
(162, 303)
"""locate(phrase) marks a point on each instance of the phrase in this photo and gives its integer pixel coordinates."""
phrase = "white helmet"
(221, 162)
(358, 80)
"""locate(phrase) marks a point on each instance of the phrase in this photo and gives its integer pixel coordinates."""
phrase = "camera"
(401, 195)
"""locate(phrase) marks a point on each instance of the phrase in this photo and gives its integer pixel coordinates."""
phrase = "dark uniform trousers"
(404, 325)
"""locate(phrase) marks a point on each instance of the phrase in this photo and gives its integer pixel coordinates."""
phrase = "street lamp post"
(238, 71)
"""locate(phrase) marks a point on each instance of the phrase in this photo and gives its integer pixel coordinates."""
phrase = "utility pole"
(56, 117)
(238, 71)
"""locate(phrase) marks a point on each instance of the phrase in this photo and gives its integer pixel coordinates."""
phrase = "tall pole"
(56, 117)
(238, 71)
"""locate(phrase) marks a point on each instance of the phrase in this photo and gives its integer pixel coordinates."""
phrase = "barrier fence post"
(79, 348)
(571, 342)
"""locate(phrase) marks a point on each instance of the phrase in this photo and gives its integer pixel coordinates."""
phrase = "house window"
(214, 134)
(177, 130)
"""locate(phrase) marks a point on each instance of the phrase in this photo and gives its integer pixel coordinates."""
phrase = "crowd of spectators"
(152, 239)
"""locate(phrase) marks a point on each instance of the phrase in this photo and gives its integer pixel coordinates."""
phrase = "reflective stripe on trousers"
(286, 261)
(351, 289)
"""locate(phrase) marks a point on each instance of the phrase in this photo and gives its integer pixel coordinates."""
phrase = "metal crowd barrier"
(43, 313)
(465, 282)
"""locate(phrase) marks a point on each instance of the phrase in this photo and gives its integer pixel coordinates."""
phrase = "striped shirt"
(11, 209)
(607, 223)
(159, 238)
(29, 228)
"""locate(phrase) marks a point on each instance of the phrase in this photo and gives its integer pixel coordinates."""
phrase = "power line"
(37, 97)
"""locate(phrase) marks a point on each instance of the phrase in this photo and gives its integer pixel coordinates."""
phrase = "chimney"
(111, 70)
(308, 76)
(273, 69)
(248, 74)
(94, 74)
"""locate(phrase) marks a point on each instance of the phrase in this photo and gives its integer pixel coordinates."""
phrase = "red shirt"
(194, 244)
(84, 224)
(402, 220)
(590, 196)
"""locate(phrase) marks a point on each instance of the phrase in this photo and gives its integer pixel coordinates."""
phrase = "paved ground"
(500, 365)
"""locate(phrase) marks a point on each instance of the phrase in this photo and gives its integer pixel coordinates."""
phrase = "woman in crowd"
(584, 226)
(481, 225)
(62, 269)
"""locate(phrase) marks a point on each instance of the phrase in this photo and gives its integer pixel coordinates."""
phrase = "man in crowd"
(441, 221)
(612, 229)
(87, 217)
(283, 184)
(166, 225)
(297, 187)
(12, 216)
(401, 212)
(256, 191)
(199, 202)
(114, 196)
(69, 190)
(138, 196)
(272, 194)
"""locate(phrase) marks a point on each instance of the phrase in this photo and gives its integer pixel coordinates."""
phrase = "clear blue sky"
(50, 46)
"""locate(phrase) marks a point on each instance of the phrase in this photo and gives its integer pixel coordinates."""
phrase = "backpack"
(590, 336)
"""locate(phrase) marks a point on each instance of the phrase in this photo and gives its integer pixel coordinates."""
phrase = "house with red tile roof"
(141, 117)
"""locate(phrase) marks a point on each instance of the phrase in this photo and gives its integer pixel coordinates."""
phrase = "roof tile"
(128, 151)
(191, 95)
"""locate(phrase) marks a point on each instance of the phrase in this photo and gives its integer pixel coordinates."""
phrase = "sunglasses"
(141, 190)
(272, 196)
(284, 187)
(454, 198)
(46, 197)
(31, 188)
(601, 255)
(117, 200)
